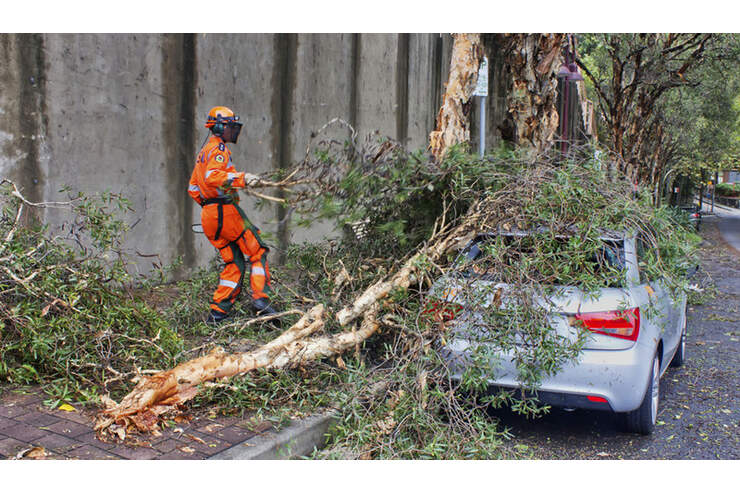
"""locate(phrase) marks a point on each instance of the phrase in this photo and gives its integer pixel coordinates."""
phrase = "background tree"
(631, 74)
(704, 117)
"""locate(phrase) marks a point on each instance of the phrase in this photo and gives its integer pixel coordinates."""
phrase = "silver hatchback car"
(636, 330)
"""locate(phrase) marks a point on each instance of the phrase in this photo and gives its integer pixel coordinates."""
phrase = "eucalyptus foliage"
(69, 318)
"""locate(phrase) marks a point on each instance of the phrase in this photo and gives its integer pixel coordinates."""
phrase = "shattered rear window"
(544, 258)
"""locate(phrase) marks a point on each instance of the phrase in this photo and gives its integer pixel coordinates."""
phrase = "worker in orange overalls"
(213, 185)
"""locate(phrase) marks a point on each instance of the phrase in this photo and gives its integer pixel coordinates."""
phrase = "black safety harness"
(220, 201)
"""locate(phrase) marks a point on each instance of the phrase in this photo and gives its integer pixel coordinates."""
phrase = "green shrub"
(728, 189)
(69, 316)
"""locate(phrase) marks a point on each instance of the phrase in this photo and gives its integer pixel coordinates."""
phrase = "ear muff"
(218, 129)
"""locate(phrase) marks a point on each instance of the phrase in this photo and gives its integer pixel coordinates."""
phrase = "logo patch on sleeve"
(221, 146)
(219, 159)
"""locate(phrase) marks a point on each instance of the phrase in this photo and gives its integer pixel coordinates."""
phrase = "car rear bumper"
(560, 399)
(619, 376)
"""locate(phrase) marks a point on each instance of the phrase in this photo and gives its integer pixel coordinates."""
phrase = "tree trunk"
(453, 126)
(533, 60)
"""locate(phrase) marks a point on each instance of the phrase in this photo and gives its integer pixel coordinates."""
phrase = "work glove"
(244, 180)
(250, 179)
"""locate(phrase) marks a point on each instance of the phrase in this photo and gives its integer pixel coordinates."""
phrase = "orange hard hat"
(220, 114)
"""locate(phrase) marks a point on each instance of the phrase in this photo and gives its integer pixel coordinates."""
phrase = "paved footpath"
(26, 423)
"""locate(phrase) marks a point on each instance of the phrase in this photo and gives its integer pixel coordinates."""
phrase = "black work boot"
(215, 318)
(262, 307)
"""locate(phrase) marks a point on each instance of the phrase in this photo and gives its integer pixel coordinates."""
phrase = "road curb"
(298, 439)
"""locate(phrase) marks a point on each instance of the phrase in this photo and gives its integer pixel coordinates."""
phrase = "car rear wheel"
(680, 355)
(642, 420)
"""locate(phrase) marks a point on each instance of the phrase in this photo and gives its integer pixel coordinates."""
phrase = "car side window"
(643, 250)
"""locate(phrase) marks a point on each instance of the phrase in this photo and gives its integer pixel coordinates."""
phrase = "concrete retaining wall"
(125, 113)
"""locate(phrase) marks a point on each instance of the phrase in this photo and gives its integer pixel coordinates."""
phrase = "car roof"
(604, 234)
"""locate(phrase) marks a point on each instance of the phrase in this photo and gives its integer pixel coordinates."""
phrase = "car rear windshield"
(549, 259)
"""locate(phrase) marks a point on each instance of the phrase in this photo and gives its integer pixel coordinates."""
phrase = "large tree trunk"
(453, 126)
(533, 60)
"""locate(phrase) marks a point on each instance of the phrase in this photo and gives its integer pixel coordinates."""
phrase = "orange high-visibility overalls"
(212, 185)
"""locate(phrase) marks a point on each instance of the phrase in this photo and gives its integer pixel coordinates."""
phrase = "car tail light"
(596, 398)
(443, 311)
(624, 324)
(695, 214)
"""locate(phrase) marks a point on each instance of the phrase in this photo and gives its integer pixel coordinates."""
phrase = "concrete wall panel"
(322, 91)
(422, 81)
(104, 107)
(377, 90)
(11, 154)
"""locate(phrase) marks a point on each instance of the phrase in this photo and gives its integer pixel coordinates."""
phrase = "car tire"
(642, 420)
(680, 355)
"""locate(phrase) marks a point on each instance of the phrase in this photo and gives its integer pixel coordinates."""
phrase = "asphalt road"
(730, 229)
(699, 412)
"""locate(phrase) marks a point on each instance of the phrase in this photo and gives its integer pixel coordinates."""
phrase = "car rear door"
(664, 310)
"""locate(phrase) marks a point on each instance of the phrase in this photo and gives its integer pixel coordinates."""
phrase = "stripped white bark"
(452, 121)
(180, 383)
(156, 394)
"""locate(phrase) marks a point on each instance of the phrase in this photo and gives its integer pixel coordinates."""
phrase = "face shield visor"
(231, 131)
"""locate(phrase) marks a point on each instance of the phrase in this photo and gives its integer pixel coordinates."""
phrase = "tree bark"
(533, 60)
(453, 126)
(179, 384)
(644, 68)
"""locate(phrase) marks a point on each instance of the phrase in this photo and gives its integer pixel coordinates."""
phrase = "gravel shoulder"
(699, 412)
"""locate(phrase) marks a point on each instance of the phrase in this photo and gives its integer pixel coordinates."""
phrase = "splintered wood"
(154, 395)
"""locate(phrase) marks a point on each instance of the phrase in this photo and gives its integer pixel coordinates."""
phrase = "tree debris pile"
(364, 340)
(384, 285)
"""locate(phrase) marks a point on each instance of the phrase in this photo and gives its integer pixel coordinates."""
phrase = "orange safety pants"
(236, 238)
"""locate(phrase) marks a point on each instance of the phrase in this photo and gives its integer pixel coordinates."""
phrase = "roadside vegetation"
(728, 189)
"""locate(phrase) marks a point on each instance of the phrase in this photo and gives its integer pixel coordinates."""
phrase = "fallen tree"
(404, 401)
(154, 395)
(562, 199)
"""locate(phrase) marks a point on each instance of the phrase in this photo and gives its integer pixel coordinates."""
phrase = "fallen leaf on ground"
(193, 437)
(67, 407)
(187, 450)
